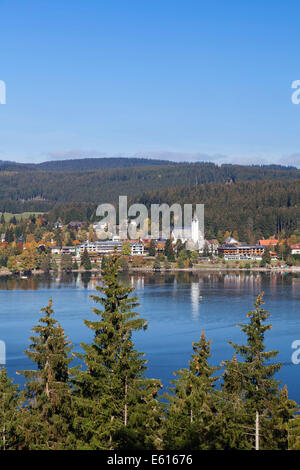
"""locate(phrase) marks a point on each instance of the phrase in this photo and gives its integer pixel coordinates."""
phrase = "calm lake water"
(176, 314)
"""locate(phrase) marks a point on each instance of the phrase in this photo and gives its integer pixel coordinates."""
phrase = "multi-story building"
(240, 252)
(65, 250)
(137, 248)
(109, 246)
(101, 248)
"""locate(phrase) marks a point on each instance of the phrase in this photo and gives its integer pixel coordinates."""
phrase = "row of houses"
(231, 249)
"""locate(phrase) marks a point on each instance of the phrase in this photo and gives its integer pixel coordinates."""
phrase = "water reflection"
(88, 280)
(178, 306)
(195, 299)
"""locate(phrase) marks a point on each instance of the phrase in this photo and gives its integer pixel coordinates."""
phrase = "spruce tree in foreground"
(8, 412)
(267, 409)
(46, 414)
(294, 432)
(190, 421)
(232, 414)
(116, 405)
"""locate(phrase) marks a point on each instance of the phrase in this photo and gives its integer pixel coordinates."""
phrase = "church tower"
(195, 229)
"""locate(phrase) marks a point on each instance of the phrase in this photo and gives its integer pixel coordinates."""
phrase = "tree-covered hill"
(36, 189)
(81, 164)
(251, 209)
(249, 199)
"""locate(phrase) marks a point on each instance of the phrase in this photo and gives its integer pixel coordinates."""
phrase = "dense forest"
(255, 201)
(87, 164)
(81, 164)
(37, 190)
(253, 209)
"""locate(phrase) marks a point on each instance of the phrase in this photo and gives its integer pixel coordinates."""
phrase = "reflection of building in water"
(195, 299)
(137, 283)
(77, 280)
(239, 280)
(273, 283)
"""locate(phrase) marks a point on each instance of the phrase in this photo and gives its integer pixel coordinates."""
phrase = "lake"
(171, 304)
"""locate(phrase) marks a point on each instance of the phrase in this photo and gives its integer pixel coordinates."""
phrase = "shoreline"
(290, 269)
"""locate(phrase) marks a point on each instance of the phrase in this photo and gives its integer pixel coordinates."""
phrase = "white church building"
(189, 234)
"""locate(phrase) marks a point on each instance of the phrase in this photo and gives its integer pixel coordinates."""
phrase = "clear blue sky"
(185, 79)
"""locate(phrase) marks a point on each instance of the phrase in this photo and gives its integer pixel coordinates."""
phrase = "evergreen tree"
(294, 433)
(179, 247)
(9, 235)
(266, 257)
(232, 415)
(190, 421)
(206, 251)
(47, 412)
(75, 265)
(85, 260)
(8, 412)
(45, 263)
(126, 249)
(286, 251)
(103, 263)
(259, 390)
(116, 405)
(124, 263)
(152, 250)
(282, 417)
(66, 262)
(169, 251)
(2, 221)
(58, 237)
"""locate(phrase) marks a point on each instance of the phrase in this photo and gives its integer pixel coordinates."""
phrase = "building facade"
(241, 252)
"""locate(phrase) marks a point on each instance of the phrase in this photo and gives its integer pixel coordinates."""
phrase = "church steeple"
(195, 229)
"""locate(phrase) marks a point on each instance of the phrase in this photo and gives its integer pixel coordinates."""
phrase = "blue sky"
(185, 80)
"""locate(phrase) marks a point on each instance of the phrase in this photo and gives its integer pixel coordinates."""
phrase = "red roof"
(270, 242)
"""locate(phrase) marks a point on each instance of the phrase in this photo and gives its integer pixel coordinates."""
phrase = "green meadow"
(23, 215)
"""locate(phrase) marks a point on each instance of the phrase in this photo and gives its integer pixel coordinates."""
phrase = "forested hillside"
(253, 201)
(28, 188)
(81, 164)
(252, 209)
